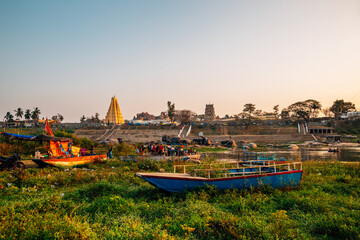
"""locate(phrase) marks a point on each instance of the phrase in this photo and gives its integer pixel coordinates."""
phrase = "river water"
(348, 154)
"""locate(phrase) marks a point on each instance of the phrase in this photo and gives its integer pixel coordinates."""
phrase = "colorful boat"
(59, 152)
(269, 172)
(69, 162)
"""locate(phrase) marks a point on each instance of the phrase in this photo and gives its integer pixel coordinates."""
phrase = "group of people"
(164, 150)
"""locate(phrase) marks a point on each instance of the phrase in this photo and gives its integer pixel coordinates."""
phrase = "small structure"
(114, 115)
(209, 112)
(351, 115)
(224, 130)
(320, 130)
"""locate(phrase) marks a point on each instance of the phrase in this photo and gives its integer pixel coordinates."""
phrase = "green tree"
(185, 116)
(305, 109)
(171, 111)
(58, 117)
(9, 117)
(61, 117)
(285, 114)
(83, 119)
(19, 113)
(27, 114)
(249, 108)
(276, 110)
(97, 117)
(35, 114)
(340, 106)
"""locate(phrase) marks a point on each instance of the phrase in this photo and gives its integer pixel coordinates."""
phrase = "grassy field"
(107, 201)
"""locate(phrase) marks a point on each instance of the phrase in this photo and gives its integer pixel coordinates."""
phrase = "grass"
(106, 201)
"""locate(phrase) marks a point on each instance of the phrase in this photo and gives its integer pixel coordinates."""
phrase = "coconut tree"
(35, 114)
(27, 114)
(19, 113)
(9, 117)
(83, 119)
(60, 117)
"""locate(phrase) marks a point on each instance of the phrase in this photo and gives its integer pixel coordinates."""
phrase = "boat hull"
(180, 182)
(68, 162)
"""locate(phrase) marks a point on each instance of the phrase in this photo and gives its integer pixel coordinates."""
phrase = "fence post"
(274, 167)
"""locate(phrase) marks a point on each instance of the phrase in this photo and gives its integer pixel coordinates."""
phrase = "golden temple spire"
(114, 114)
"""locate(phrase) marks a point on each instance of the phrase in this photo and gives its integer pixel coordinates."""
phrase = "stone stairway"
(108, 134)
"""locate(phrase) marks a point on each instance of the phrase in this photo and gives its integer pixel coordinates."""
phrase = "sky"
(71, 57)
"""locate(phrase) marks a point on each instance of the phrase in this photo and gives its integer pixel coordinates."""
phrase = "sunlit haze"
(71, 57)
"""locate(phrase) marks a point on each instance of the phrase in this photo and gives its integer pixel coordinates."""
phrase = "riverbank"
(108, 201)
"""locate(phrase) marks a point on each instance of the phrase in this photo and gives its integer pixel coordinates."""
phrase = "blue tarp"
(18, 136)
(35, 138)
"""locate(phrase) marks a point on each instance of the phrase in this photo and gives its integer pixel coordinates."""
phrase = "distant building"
(320, 130)
(209, 112)
(114, 115)
(351, 115)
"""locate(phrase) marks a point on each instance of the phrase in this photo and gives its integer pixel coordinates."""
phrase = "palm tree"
(9, 117)
(27, 114)
(82, 119)
(61, 117)
(35, 114)
(19, 113)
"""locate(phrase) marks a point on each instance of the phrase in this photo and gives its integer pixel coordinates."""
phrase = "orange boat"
(69, 162)
(59, 152)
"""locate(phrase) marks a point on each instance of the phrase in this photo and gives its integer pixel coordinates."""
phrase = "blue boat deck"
(225, 175)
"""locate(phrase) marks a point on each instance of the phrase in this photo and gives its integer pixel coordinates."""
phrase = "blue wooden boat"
(269, 172)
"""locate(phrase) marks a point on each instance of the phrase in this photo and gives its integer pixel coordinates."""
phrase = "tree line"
(92, 119)
(29, 114)
(301, 110)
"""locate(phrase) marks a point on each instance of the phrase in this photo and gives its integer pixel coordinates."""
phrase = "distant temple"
(114, 115)
(209, 112)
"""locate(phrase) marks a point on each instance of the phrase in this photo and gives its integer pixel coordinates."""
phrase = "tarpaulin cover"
(35, 138)
(59, 148)
(18, 136)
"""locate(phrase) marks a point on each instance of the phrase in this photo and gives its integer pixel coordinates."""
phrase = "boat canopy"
(18, 136)
(35, 138)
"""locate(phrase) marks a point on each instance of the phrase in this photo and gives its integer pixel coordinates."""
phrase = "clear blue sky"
(71, 57)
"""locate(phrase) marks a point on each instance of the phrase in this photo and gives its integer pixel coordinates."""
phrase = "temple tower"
(114, 115)
(209, 112)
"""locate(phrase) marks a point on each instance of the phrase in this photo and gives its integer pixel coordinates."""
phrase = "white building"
(351, 115)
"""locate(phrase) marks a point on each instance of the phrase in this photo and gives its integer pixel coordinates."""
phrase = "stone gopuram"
(114, 115)
(209, 112)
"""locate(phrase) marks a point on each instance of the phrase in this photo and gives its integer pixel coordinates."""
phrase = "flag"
(47, 128)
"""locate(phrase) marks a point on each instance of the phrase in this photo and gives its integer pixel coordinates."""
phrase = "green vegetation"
(106, 201)
(349, 127)
(8, 146)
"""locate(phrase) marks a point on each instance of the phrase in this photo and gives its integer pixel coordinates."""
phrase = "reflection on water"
(304, 153)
